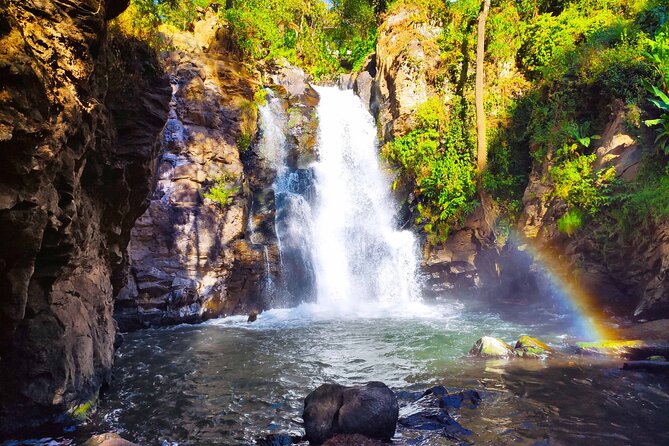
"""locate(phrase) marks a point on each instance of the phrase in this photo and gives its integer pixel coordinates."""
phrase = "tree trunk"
(482, 150)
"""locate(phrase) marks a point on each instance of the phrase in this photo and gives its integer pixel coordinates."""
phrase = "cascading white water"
(293, 221)
(344, 237)
(360, 257)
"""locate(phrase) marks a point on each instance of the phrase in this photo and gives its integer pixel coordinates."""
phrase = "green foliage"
(580, 186)
(244, 142)
(221, 191)
(143, 16)
(324, 41)
(661, 101)
(437, 158)
(644, 201)
(658, 54)
(580, 133)
(571, 221)
(260, 97)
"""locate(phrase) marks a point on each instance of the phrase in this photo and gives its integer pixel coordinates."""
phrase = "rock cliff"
(627, 274)
(186, 250)
(194, 256)
(78, 120)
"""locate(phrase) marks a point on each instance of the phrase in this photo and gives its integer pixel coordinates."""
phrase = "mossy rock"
(529, 347)
(612, 348)
(489, 347)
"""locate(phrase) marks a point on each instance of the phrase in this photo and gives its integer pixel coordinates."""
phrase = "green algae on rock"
(490, 347)
(529, 347)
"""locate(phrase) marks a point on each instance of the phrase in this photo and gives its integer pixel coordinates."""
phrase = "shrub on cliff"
(436, 157)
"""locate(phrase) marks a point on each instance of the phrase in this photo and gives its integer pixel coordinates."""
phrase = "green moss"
(82, 411)
(244, 142)
(613, 347)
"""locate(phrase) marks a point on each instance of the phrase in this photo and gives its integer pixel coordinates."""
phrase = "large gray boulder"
(370, 410)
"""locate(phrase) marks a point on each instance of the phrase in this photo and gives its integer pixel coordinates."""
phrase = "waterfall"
(293, 220)
(359, 254)
(334, 222)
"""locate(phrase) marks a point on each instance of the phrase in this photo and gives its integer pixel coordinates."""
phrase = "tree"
(482, 150)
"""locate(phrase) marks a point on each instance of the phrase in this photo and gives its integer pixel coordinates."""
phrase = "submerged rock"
(108, 439)
(489, 347)
(278, 440)
(529, 347)
(370, 410)
(352, 440)
(430, 413)
(652, 366)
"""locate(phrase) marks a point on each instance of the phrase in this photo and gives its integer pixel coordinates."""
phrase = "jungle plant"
(570, 221)
(222, 190)
(661, 101)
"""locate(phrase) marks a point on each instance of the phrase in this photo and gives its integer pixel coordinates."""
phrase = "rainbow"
(583, 302)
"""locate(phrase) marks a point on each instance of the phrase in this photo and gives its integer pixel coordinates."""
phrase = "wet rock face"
(370, 410)
(188, 257)
(407, 52)
(75, 165)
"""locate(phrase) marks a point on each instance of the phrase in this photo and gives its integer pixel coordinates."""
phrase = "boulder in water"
(489, 347)
(529, 347)
(108, 439)
(350, 440)
(370, 410)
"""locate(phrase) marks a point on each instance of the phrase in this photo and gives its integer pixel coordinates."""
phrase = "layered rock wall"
(188, 257)
(193, 257)
(76, 157)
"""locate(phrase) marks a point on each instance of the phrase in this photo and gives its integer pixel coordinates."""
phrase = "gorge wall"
(626, 274)
(79, 116)
(193, 257)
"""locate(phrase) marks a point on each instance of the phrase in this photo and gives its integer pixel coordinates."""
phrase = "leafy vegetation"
(437, 156)
(324, 40)
(661, 101)
(554, 73)
(222, 190)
